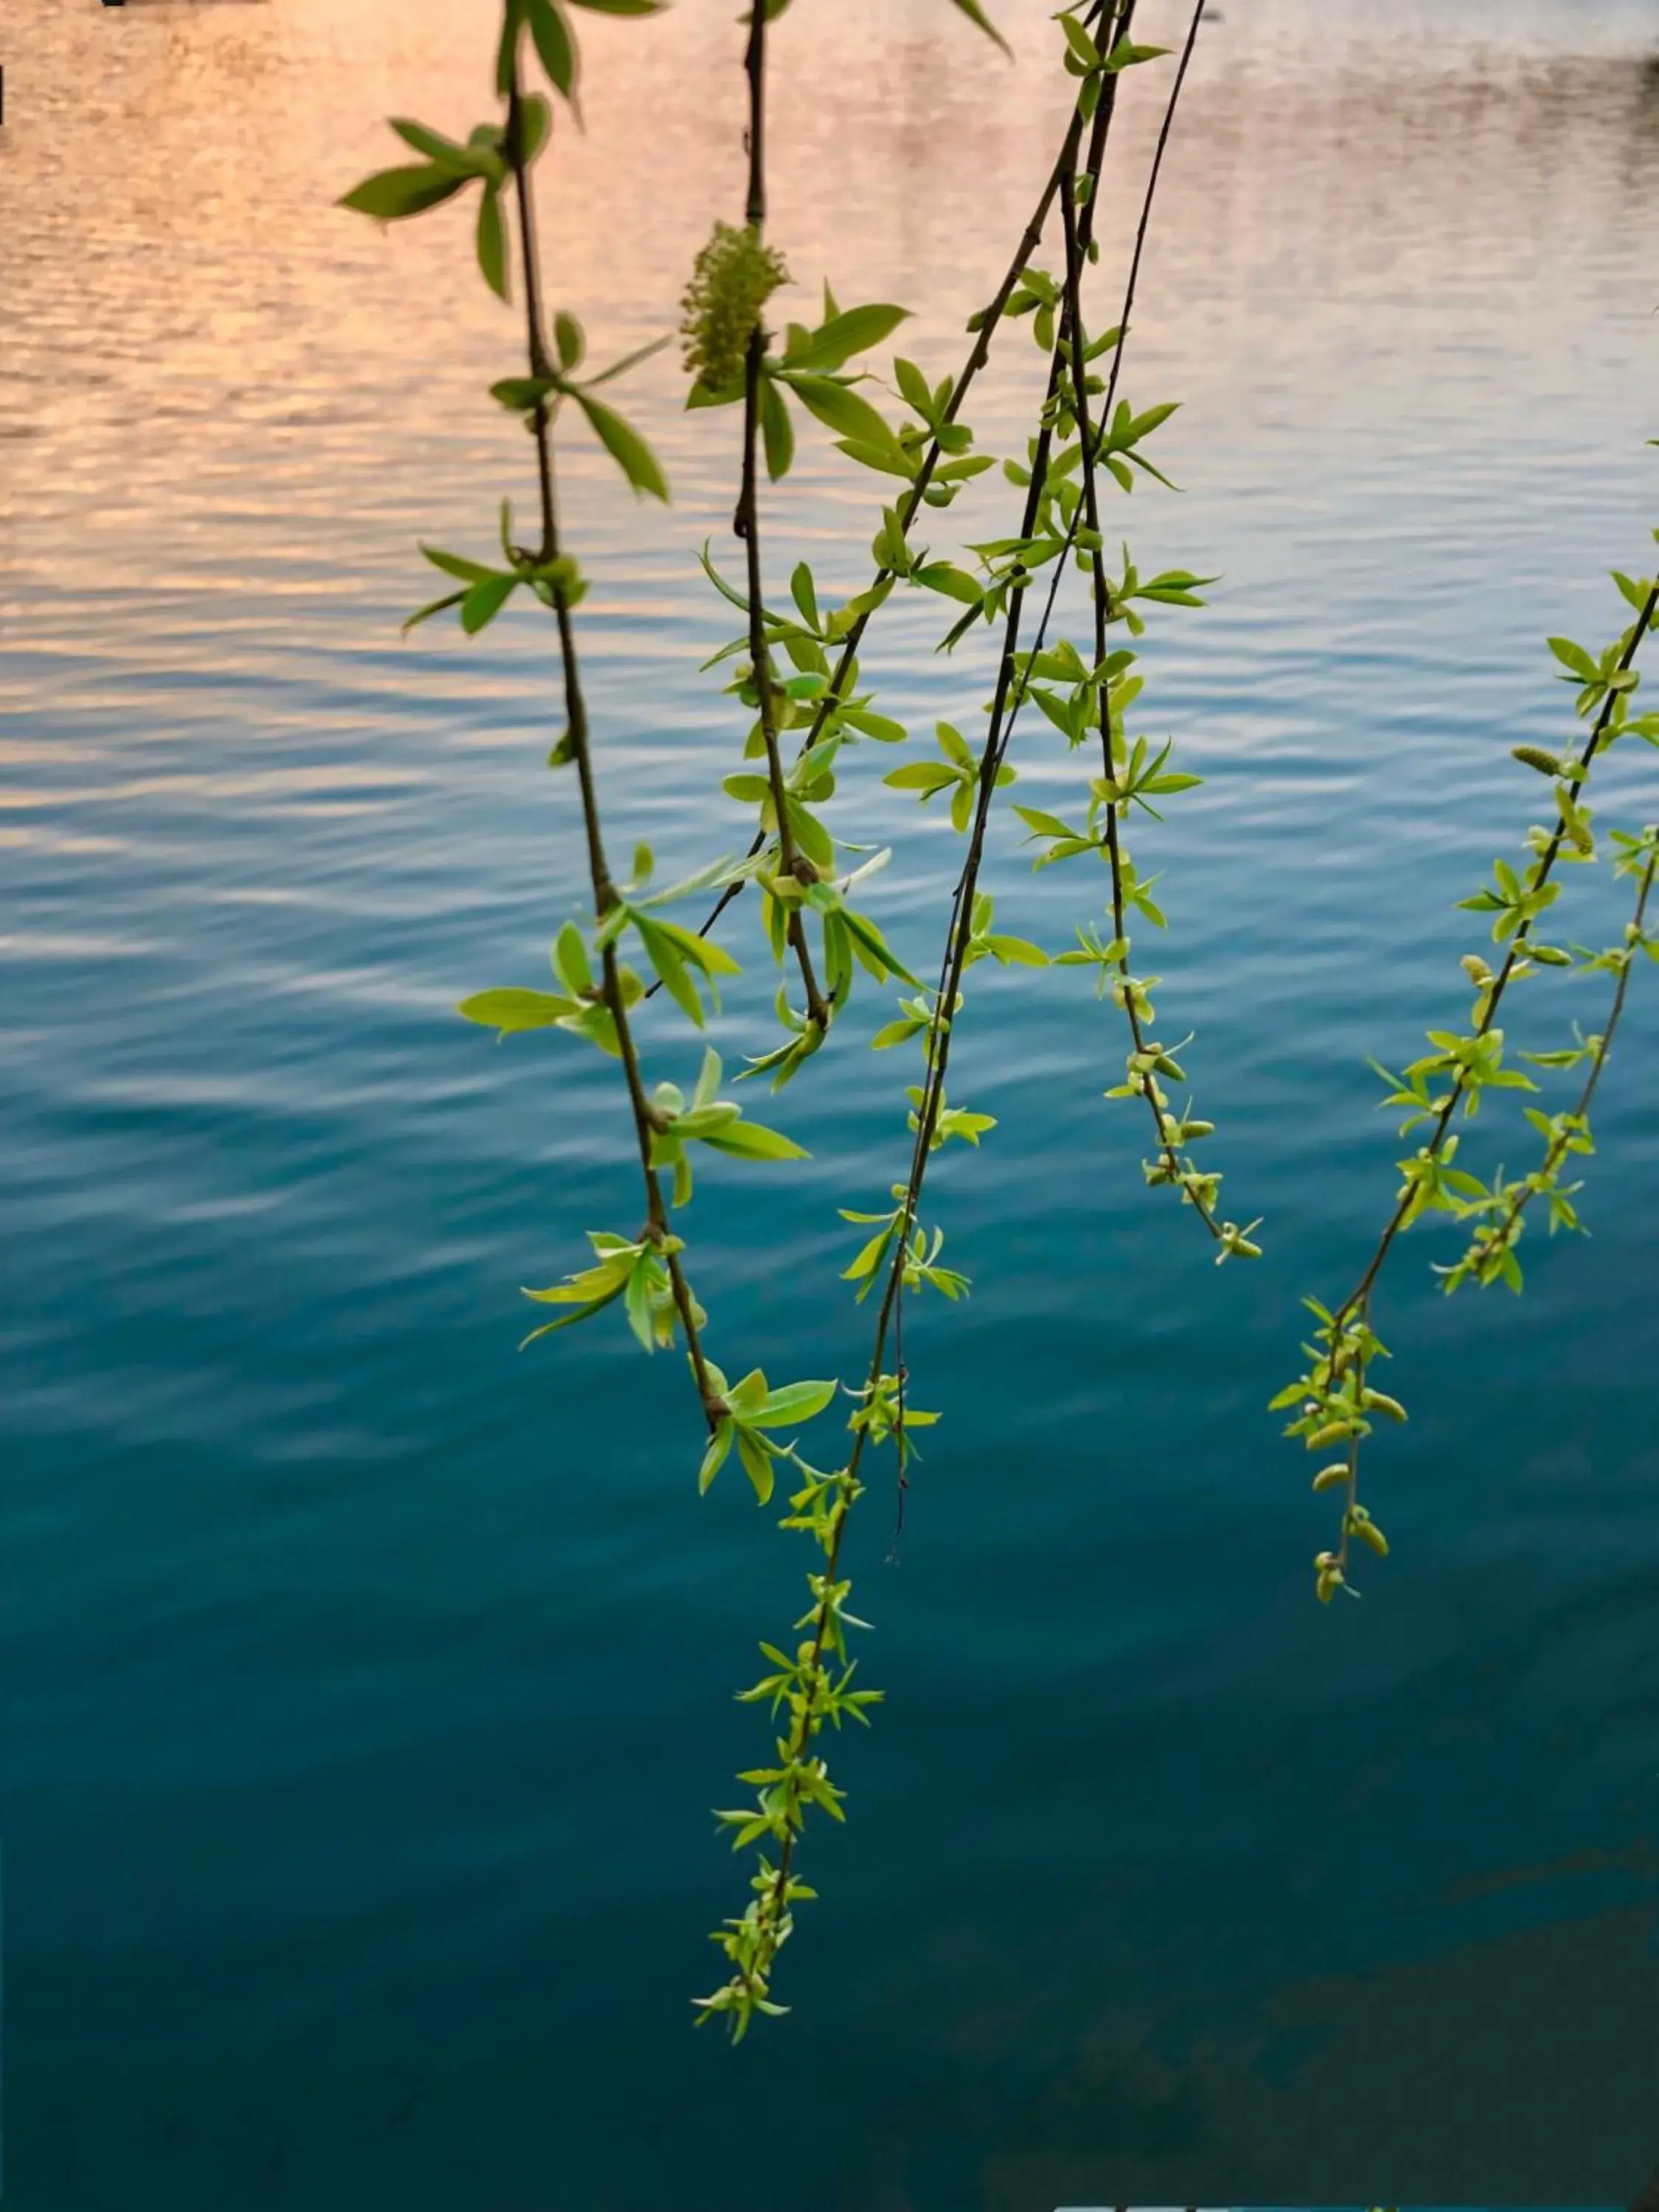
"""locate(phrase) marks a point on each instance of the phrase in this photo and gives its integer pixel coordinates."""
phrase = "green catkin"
(735, 274)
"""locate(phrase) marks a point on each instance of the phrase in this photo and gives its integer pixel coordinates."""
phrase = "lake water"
(367, 1684)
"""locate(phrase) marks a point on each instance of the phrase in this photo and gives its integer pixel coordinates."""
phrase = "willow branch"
(748, 529)
(1142, 228)
(1348, 1332)
(603, 884)
(1502, 1234)
(1359, 1295)
(770, 1919)
(1164, 1123)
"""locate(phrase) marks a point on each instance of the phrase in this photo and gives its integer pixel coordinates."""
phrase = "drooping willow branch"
(607, 900)
(733, 362)
(814, 1685)
(645, 1272)
(748, 528)
(1333, 1399)
(1128, 777)
(1491, 1256)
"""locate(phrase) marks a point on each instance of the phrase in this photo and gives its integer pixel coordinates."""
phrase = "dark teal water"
(367, 1684)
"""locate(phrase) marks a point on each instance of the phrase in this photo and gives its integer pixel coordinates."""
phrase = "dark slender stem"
(1561, 1146)
(1142, 228)
(774, 1896)
(1163, 1121)
(1615, 1014)
(939, 1043)
(1356, 1308)
(604, 890)
(1360, 1295)
(747, 525)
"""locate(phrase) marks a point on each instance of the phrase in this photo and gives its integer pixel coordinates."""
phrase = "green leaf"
(509, 1012)
(977, 14)
(915, 389)
(568, 337)
(625, 447)
(1125, 55)
(520, 393)
(485, 601)
(777, 430)
(390, 195)
(714, 1458)
(840, 409)
(804, 596)
(629, 360)
(747, 1141)
(492, 242)
(869, 1258)
(621, 7)
(570, 961)
(637, 1298)
(554, 44)
(878, 726)
(795, 1402)
(833, 345)
(869, 941)
(436, 148)
(506, 53)
(665, 958)
(925, 777)
(953, 582)
(757, 1465)
(1080, 42)
(455, 564)
(432, 607)
(1044, 825)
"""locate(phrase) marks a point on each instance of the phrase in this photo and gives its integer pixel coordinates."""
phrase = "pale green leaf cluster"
(1464, 1067)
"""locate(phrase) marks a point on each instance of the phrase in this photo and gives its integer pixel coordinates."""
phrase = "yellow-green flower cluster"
(736, 274)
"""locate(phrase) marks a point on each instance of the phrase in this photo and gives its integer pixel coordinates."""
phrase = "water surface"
(367, 1684)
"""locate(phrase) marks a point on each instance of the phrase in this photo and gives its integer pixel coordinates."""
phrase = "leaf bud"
(1329, 1477)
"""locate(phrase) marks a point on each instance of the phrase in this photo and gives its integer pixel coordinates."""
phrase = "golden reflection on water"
(190, 329)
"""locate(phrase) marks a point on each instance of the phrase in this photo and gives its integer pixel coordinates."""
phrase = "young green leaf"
(390, 195)
(624, 445)
(977, 14)
(492, 242)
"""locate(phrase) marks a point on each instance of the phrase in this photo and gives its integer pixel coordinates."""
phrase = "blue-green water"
(367, 1684)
